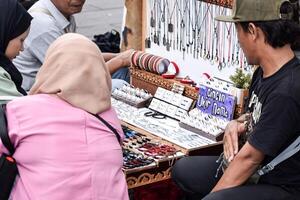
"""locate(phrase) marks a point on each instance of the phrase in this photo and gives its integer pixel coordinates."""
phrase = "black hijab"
(14, 21)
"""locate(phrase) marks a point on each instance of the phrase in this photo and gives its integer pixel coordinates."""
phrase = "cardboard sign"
(216, 103)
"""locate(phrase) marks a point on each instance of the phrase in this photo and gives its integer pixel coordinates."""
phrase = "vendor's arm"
(230, 140)
(119, 61)
(271, 135)
(108, 56)
(241, 168)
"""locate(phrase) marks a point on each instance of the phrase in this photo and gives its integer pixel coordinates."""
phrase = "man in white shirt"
(51, 19)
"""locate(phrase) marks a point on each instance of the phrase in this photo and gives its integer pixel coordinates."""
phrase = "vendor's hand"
(125, 56)
(230, 139)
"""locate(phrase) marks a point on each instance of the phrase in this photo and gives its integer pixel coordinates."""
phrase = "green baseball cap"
(255, 10)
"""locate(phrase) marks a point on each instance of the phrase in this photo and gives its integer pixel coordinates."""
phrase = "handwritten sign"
(216, 103)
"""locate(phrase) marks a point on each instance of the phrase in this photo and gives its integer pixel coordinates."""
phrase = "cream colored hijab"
(75, 71)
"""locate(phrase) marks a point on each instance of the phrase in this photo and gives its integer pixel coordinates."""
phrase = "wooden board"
(150, 82)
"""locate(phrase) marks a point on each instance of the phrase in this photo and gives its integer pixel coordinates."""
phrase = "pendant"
(148, 43)
(170, 28)
(152, 22)
(164, 40)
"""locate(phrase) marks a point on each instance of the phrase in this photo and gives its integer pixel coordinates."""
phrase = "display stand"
(150, 82)
(148, 175)
(161, 171)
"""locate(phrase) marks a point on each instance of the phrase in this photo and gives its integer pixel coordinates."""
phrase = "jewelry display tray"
(137, 105)
(216, 138)
(180, 151)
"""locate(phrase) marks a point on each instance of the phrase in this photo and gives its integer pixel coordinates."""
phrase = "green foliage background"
(240, 79)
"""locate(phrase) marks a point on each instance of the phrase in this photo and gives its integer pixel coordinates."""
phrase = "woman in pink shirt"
(62, 150)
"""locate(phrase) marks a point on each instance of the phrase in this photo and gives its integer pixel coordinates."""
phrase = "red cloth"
(164, 190)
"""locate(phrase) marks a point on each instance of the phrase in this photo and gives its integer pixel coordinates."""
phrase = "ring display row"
(173, 98)
(198, 115)
(132, 96)
(204, 124)
(220, 85)
(149, 62)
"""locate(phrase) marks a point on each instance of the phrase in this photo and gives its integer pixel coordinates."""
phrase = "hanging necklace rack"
(189, 26)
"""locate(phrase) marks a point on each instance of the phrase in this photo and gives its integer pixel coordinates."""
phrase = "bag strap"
(109, 126)
(4, 132)
(288, 152)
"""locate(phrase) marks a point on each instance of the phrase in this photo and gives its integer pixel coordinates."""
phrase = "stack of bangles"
(149, 62)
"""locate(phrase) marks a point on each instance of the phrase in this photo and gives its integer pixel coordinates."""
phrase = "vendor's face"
(16, 45)
(69, 7)
(247, 43)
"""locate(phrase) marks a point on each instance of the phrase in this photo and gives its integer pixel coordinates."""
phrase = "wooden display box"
(153, 173)
(150, 82)
(162, 141)
(145, 175)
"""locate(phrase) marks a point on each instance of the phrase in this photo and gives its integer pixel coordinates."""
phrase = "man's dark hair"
(279, 32)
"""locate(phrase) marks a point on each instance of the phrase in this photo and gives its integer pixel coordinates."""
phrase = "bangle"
(245, 118)
(246, 125)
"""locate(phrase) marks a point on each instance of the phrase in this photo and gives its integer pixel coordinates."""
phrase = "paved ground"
(100, 16)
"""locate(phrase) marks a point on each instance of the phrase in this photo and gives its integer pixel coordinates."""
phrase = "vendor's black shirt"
(275, 107)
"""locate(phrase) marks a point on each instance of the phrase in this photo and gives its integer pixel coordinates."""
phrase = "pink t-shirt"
(63, 152)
